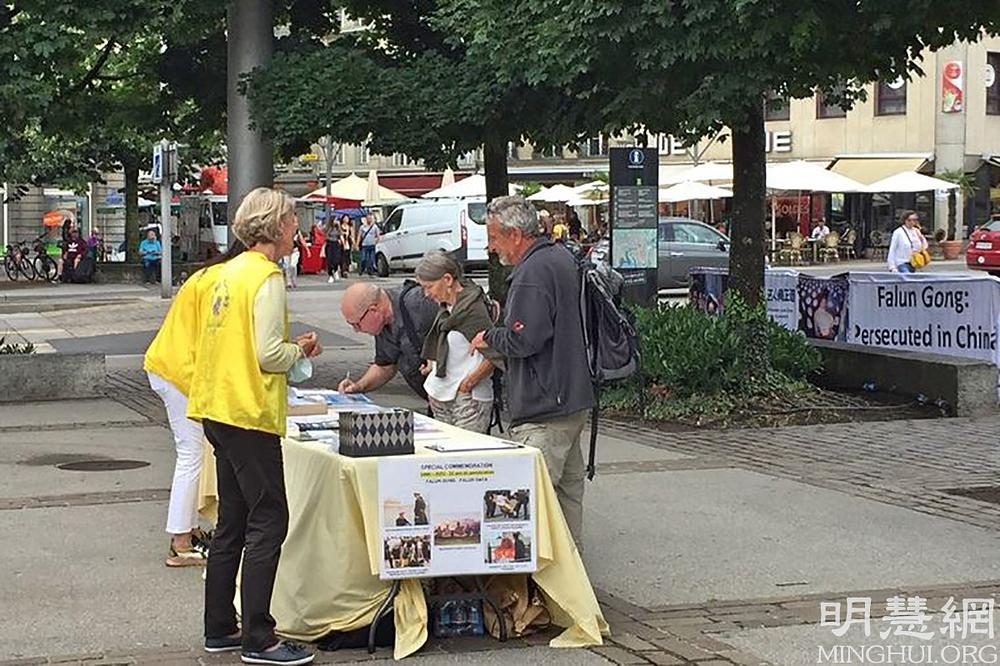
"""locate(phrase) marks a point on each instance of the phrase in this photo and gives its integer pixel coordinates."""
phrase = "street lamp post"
(250, 30)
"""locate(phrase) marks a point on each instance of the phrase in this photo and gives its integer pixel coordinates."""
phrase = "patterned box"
(386, 432)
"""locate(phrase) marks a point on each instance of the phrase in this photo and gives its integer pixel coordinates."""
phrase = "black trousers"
(253, 515)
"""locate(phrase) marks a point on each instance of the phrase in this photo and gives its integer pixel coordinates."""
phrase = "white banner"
(781, 288)
(942, 313)
(457, 515)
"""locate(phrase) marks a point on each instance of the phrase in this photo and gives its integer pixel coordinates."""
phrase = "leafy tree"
(407, 85)
(691, 68)
(966, 187)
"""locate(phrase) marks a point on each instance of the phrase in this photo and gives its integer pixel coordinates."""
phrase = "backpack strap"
(404, 313)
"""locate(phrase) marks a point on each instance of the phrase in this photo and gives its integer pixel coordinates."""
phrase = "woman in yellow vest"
(169, 363)
(239, 393)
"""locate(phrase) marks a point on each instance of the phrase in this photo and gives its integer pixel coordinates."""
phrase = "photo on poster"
(406, 552)
(508, 546)
(506, 505)
(822, 304)
(405, 510)
(457, 530)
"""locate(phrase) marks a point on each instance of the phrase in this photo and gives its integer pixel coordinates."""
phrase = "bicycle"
(45, 266)
(16, 262)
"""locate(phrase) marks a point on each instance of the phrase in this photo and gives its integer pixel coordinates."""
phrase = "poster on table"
(823, 307)
(457, 515)
(954, 314)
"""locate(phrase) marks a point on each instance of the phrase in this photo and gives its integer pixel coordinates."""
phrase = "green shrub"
(14, 348)
(691, 353)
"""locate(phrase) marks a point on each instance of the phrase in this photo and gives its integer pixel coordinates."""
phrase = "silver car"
(683, 244)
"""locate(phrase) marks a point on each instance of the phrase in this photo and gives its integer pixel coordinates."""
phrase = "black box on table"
(385, 432)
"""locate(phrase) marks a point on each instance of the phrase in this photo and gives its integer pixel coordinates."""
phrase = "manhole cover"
(989, 494)
(102, 465)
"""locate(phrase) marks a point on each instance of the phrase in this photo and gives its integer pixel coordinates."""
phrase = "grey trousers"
(464, 412)
(559, 440)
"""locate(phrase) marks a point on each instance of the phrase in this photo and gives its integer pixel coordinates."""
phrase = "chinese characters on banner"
(457, 515)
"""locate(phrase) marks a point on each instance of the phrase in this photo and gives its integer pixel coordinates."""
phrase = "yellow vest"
(228, 385)
(171, 353)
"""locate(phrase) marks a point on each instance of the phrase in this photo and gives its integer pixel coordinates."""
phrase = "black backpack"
(609, 336)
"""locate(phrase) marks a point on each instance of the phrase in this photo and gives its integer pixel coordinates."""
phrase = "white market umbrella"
(706, 171)
(354, 188)
(473, 186)
(555, 194)
(593, 188)
(583, 202)
(447, 178)
(910, 181)
(802, 176)
(692, 191)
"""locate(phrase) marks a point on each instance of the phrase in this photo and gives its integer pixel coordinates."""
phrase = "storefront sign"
(950, 314)
(774, 142)
(457, 515)
(953, 87)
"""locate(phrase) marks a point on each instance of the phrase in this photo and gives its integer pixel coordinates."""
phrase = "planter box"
(29, 377)
(122, 273)
(968, 386)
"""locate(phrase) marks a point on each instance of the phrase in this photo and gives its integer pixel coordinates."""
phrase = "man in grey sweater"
(549, 391)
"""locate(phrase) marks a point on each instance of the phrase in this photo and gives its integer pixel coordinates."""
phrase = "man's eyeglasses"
(356, 325)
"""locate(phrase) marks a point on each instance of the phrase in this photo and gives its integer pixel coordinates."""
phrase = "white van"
(452, 225)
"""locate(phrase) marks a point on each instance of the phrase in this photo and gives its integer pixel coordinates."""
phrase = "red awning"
(413, 184)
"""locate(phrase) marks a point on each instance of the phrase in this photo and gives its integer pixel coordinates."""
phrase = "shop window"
(993, 92)
(826, 109)
(776, 107)
(890, 98)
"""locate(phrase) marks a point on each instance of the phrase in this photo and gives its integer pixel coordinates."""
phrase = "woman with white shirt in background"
(906, 240)
(458, 386)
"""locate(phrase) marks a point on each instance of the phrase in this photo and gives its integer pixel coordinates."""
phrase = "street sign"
(157, 163)
(634, 176)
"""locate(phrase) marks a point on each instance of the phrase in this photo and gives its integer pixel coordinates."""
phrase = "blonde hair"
(259, 217)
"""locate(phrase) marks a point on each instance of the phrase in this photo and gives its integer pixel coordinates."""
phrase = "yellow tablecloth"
(328, 574)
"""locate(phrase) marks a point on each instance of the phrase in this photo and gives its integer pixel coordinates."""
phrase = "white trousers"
(182, 512)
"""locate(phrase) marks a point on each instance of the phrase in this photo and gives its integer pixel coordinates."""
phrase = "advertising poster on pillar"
(952, 87)
(954, 314)
(457, 515)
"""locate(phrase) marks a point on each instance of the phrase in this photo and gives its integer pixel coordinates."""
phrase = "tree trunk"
(746, 254)
(952, 214)
(495, 164)
(132, 235)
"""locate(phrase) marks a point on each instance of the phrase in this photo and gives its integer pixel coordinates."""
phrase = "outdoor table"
(328, 575)
(814, 244)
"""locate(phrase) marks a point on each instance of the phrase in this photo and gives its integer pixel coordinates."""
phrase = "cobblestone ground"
(913, 464)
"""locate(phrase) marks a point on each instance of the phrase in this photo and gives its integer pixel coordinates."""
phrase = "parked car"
(984, 248)
(452, 225)
(683, 244)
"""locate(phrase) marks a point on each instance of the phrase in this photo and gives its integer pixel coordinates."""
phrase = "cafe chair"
(793, 253)
(846, 247)
(828, 250)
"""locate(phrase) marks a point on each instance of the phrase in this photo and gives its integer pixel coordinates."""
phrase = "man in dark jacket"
(549, 391)
(383, 313)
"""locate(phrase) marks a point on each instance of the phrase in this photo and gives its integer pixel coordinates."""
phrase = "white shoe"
(329, 280)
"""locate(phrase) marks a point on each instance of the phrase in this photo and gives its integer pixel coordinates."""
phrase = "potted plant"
(951, 247)
(935, 248)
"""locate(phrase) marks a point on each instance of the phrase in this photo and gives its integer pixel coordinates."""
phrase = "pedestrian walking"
(333, 251)
(908, 247)
(368, 237)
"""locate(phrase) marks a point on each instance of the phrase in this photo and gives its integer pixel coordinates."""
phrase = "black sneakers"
(287, 654)
(223, 644)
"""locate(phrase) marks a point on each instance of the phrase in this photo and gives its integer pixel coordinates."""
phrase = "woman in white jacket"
(906, 240)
